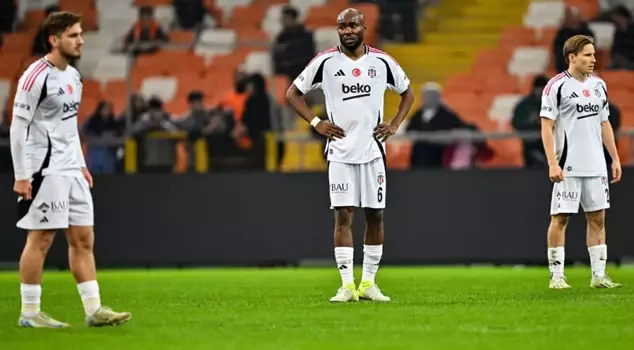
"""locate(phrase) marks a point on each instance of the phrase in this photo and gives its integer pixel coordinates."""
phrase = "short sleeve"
(27, 96)
(549, 107)
(311, 77)
(400, 81)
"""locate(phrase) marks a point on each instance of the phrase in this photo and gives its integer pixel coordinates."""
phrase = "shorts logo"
(567, 195)
(59, 206)
(339, 188)
(356, 72)
(380, 179)
(372, 72)
(604, 180)
(43, 207)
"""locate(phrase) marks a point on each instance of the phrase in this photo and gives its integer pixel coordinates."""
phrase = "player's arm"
(304, 83)
(609, 141)
(25, 102)
(401, 86)
(549, 113)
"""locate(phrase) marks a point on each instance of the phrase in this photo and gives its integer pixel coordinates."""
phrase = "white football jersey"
(578, 109)
(48, 100)
(354, 92)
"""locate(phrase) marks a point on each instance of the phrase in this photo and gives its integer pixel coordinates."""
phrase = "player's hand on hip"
(23, 189)
(383, 131)
(616, 172)
(330, 130)
(87, 176)
(555, 173)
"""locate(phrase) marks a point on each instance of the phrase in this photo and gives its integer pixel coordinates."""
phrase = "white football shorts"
(357, 185)
(592, 192)
(58, 202)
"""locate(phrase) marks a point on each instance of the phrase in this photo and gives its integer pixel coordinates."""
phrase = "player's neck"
(57, 60)
(582, 77)
(356, 53)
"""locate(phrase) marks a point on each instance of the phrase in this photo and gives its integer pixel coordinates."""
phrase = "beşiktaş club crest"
(371, 72)
(597, 90)
(380, 179)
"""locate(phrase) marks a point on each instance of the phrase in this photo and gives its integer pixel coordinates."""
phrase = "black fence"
(433, 217)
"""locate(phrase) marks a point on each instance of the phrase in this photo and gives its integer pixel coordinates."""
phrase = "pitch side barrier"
(433, 217)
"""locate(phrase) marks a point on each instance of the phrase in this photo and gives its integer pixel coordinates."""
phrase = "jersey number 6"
(379, 195)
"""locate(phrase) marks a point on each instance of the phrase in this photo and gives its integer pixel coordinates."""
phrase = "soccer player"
(51, 178)
(575, 127)
(354, 77)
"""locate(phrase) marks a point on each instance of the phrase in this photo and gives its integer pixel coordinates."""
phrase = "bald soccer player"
(354, 77)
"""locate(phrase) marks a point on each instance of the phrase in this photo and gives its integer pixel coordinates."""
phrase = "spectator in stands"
(215, 125)
(189, 13)
(146, 35)
(234, 102)
(526, 118)
(8, 11)
(573, 25)
(294, 46)
(101, 125)
(155, 119)
(434, 115)
(257, 118)
(623, 44)
(156, 154)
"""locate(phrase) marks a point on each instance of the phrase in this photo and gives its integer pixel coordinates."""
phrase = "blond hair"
(575, 45)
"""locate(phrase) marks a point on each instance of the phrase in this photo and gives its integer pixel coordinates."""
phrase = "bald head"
(351, 28)
(351, 15)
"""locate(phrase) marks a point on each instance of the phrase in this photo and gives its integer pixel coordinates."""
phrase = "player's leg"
(343, 198)
(42, 217)
(565, 201)
(595, 199)
(373, 186)
(81, 238)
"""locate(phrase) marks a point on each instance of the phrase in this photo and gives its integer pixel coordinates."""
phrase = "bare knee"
(80, 238)
(596, 220)
(559, 222)
(343, 218)
(40, 240)
(374, 217)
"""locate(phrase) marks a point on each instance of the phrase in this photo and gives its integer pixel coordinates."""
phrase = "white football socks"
(31, 296)
(344, 257)
(371, 260)
(89, 293)
(556, 259)
(598, 258)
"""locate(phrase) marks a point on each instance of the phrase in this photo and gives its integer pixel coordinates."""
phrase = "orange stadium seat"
(33, 19)
(139, 3)
(246, 16)
(398, 154)
(92, 89)
(185, 38)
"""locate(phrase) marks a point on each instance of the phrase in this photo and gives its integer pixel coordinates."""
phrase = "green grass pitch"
(433, 308)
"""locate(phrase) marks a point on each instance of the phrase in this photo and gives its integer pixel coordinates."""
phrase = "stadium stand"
(485, 53)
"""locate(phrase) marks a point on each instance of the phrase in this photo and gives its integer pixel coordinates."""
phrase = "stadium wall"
(269, 219)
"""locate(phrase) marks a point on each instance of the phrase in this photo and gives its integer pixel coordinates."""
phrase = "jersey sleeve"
(605, 110)
(549, 108)
(28, 94)
(400, 81)
(310, 78)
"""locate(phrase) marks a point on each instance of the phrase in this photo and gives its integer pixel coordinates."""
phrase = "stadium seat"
(325, 38)
(502, 108)
(223, 38)
(228, 5)
(603, 33)
(529, 60)
(161, 86)
(164, 14)
(543, 14)
(259, 62)
(111, 67)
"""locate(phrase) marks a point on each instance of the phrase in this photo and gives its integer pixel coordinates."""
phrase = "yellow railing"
(201, 157)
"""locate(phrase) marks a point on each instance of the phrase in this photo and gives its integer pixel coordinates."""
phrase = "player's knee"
(82, 239)
(559, 221)
(374, 217)
(343, 218)
(40, 240)
(596, 220)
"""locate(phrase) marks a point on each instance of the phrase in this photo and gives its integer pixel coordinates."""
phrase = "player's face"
(351, 30)
(70, 42)
(585, 60)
